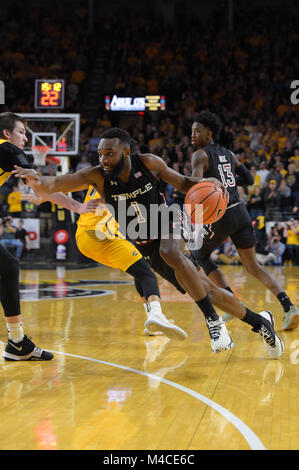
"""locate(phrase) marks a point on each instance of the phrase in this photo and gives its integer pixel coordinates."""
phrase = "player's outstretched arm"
(34, 198)
(181, 182)
(52, 184)
(63, 200)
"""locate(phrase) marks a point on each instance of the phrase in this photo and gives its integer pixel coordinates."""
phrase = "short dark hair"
(211, 121)
(117, 133)
(8, 121)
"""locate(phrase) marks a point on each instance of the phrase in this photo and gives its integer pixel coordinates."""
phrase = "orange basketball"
(212, 199)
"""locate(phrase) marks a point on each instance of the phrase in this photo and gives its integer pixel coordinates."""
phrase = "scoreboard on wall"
(49, 94)
(137, 104)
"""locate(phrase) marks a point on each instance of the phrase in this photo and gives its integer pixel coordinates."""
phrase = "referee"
(19, 347)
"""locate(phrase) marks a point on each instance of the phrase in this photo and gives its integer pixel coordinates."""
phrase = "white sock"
(15, 331)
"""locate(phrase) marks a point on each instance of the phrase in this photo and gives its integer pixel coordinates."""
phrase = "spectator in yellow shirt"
(291, 232)
(14, 202)
(257, 180)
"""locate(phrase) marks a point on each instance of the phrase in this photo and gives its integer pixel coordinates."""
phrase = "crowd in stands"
(244, 76)
(43, 42)
(277, 247)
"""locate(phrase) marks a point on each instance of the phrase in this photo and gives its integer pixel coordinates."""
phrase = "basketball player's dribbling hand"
(31, 177)
(220, 185)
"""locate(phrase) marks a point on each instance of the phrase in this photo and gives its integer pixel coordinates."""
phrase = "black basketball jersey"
(134, 202)
(10, 155)
(222, 167)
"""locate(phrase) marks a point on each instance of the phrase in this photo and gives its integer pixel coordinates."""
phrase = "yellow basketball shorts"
(116, 253)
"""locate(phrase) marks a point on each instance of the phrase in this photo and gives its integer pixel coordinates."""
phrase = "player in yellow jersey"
(19, 347)
(98, 238)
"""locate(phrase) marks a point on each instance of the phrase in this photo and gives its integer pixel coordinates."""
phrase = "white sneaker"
(220, 337)
(226, 317)
(291, 319)
(152, 333)
(158, 322)
(147, 332)
(272, 341)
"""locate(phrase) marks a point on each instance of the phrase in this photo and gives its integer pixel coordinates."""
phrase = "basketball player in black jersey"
(135, 180)
(19, 347)
(213, 160)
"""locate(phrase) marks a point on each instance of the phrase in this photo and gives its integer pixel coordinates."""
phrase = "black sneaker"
(25, 350)
(272, 341)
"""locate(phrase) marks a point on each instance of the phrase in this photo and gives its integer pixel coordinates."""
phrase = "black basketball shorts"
(151, 254)
(151, 251)
(236, 224)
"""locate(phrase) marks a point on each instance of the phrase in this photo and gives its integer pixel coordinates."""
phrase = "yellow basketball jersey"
(98, 237)
(99, 218)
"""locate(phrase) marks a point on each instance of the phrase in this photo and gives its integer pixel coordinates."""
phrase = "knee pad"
(146, 282)
(138, 287)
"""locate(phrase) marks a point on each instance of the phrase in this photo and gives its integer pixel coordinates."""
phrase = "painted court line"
(251, 438)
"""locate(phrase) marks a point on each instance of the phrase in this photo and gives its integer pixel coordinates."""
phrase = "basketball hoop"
(52, 160)
(39, 154)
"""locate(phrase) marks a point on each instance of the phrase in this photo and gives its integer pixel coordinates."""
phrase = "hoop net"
(39, 154)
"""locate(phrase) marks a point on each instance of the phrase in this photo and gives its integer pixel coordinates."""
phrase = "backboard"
(59, 131)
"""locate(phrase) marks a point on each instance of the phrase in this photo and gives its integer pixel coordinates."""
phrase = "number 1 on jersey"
(140, 217)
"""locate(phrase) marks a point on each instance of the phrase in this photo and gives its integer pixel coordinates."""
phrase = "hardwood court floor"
(110, 387)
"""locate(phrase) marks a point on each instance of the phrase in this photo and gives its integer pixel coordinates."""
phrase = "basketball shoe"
(220, 337)
(147, 332)
(272, 341)
(25, 350)
(291, 319)
(158, 322)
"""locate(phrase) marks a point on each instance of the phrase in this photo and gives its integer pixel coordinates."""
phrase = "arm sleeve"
(244, 176)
